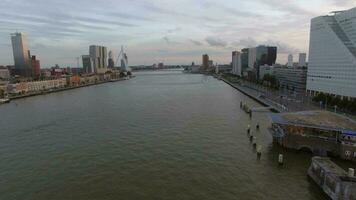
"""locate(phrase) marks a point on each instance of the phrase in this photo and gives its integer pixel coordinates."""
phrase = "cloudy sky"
(169, 31)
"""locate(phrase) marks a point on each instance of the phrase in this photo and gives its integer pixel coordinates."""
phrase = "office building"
(205, 63)
(302, 60)
(36, 67)
(292, 79)
(290, 60)
(244, 59)
(236, 63)
(4, 73)
(98, 55)
(21, 54)
(87, 64)
(111, 63)
(261, 55)
(332, 54)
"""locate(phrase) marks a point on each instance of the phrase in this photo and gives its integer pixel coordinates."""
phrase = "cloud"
(216, 42)
(282, 48)
(196, 42)
(166, 39)
(245, 42)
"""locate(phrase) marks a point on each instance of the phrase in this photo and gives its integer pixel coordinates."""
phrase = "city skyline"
(152, 32)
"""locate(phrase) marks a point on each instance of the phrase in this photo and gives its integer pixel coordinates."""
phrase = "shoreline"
(13, 98)
(272, 107)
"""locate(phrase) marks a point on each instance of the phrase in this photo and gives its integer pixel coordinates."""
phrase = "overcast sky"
(169, 31)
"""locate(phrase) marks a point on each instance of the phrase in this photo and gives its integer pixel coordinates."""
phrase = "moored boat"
(332, 179)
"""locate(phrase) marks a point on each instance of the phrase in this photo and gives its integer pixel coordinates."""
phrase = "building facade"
(292, 79)
(332, 54)
(98, 55)
(236, 63)
(4, 73)
(290, 60)
(302, 60)
(36, 67)
(205, 61)
(261, 55)
(21, 54)
(87, 64)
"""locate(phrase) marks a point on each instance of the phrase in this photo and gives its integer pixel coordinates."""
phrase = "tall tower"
(205, 60)
(98, 55)
(290, 60)
(21, 54)
(302, 59)
(111, 62)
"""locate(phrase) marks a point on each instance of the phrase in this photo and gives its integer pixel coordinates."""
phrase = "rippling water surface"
(161, 135)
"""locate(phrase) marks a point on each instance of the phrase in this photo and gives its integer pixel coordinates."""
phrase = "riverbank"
(274, 107)
(44, 92)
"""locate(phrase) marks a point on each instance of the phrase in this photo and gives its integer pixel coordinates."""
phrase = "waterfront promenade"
(43, 92)
(276, 100)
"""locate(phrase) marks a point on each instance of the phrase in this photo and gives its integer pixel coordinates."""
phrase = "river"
(161, 135)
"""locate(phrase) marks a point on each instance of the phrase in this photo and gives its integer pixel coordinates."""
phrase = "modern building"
(111, 63)
(205, 61)
(4, 73)
(332, 54)
(290, 60)
(292, 79)
(266, 69)
(98, 55)
(244, 59)
(21, 54)
(36, 67)
(236, 63)
(302, 60)
(87, 64)
(261, 55)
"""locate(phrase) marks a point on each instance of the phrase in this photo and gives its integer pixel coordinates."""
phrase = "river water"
(160, 135)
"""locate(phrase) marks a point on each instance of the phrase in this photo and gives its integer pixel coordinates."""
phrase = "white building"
(98, 55)
(4, 73)
(302, 60)
(290, 60)
(266, 69)
(332, 54)
(236, 63)
(252, 56)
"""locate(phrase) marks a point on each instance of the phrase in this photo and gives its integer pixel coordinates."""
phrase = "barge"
(332, 179)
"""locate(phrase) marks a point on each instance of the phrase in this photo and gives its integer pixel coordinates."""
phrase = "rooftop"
(318, 119)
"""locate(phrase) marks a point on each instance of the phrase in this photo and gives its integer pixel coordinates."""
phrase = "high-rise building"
(98, 55)
(290, 60)
(87, 64)
(205, 61)
(302, 60)
(261, 55)
(36, 67)
(244, 59)
(236, 63)
(21, 54)
(332, 54)
(111, 63)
